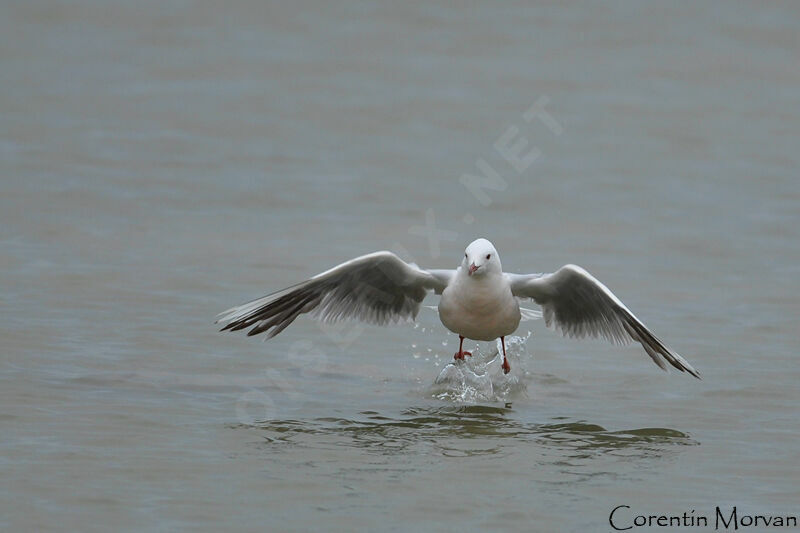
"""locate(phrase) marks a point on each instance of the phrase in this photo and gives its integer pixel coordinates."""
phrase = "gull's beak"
(472, 268)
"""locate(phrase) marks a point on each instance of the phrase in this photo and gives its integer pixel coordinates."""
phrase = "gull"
(478, 302)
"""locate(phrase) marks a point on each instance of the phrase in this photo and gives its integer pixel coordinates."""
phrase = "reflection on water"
(473, 431)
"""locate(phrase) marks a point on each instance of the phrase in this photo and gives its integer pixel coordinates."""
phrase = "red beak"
(472, 268)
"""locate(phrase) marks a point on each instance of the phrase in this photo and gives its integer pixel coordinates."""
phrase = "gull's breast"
(479, 310)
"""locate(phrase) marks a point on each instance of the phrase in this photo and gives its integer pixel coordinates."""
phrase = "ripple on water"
(468, 427)
(569, 446)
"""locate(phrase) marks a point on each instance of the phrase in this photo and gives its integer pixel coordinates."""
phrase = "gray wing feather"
(576, 303)
(378, 288)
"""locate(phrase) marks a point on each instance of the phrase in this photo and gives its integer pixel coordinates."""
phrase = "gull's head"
(480, 258)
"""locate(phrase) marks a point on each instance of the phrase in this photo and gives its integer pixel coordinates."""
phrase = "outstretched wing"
(378, 288)
(580, 306)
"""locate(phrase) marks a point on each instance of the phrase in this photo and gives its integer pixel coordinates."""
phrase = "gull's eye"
(465, 255)
(488, 256)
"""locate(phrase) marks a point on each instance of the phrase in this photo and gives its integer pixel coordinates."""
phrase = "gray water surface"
(163, 161)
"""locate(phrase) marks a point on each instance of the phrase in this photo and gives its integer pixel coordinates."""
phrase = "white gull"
(479, 301)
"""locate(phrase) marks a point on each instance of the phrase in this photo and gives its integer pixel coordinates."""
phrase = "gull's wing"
(378, 288)
(580, 306)
(529, 314)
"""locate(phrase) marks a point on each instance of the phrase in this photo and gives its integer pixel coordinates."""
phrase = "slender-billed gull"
(478, 301)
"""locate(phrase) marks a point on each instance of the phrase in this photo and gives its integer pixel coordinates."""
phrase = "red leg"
(461, 353)
(506, 366)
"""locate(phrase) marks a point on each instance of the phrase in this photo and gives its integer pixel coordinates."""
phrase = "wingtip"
(689, 369)
(684, 366)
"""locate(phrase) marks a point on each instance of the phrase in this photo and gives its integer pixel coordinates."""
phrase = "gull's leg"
(461, 353)
(506, 366)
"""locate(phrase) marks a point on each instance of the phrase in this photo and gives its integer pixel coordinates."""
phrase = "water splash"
(480, 378)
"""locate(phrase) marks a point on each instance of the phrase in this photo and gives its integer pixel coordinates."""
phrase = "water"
(162, 163)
